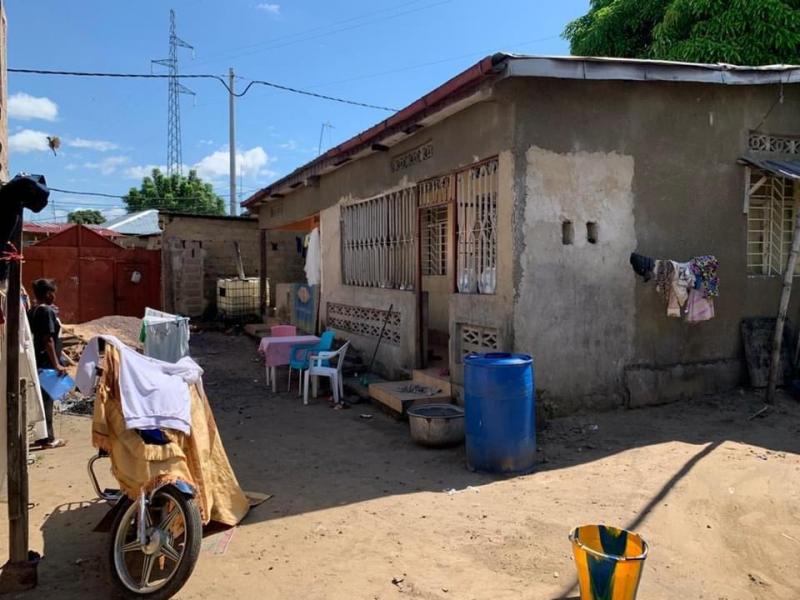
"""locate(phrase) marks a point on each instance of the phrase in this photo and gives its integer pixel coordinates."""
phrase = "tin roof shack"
(500, 211)
(198, 250)
(141, 229)
(96, 277)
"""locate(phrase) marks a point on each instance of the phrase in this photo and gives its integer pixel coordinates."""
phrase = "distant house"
(141, 228)
(499, 211)
(34, 232)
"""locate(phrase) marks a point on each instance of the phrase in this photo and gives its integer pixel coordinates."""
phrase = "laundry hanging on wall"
(687, 288)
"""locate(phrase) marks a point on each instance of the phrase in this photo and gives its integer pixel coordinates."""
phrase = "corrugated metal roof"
(144, 222)
(782, 168)
(53, 228)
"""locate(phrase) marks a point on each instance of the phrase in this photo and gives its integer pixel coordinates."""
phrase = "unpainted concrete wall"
(656, 165)
(574, 301)
(214, 237)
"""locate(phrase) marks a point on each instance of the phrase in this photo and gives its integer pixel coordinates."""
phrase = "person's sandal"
(54, 444)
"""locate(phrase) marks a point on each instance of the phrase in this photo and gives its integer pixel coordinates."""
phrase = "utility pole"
(176, 88)
(232, 140)
(24, 191)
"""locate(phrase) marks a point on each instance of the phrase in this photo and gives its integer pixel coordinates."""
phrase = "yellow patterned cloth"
(198, 459)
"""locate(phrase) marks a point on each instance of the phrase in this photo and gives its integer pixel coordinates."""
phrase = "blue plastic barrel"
(500, 412)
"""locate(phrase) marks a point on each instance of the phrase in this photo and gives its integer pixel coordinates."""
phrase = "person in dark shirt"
(46, 330)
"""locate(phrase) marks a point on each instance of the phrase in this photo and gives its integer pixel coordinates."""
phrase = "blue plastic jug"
(57, 386)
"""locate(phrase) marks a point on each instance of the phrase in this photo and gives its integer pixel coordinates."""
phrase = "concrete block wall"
(212, 240)
(284, 263)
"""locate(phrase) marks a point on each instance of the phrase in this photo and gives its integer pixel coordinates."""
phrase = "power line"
(202, 76)
(271, 45)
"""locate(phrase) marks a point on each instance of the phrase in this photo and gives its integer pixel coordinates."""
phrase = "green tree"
(176, 192)
(742, 32)
(86, 217)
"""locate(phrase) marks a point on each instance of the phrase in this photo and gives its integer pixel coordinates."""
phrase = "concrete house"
(499, 211)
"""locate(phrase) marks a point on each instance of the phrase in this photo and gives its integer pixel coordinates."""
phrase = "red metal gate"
(95, 276)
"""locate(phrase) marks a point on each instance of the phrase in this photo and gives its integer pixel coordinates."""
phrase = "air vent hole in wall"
(567, 233)
(591, 232)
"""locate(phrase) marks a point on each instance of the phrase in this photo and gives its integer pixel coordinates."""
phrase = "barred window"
(378, 243)
(477, 228)
(434, 240)
(770, 222)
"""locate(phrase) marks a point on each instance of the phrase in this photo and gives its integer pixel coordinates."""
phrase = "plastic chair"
(322, 364)
(282, 330)
(298, 357)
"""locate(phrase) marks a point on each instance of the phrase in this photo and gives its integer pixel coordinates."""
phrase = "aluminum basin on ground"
(436, 425)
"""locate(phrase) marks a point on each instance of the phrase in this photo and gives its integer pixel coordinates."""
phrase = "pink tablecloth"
(276, 350)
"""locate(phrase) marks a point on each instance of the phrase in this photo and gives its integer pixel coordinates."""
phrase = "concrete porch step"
(399, 396)
(431, 378)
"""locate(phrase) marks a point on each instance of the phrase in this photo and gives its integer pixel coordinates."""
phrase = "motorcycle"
(155, 539)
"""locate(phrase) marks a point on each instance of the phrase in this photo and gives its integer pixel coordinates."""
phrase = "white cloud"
(206, 142)
(99, 145)
(249, 163)
(274, 9)
(25, 107)
(216, 166)
(290, 145)
(28, 140)
(108, 165)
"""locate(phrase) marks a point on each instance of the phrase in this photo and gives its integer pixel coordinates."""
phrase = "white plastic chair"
(334, 372)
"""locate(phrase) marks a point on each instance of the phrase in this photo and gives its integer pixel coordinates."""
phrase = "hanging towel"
(313, 258)
(699, 308)
(155, 394)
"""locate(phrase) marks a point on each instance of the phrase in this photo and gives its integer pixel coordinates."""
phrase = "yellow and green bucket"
(609, 562)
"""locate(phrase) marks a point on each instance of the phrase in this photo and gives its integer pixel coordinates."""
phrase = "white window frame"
(772, 203)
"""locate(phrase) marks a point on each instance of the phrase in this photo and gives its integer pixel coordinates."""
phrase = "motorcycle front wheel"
(158, 569)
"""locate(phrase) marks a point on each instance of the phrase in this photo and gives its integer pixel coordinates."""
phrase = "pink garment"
(282, 330)
(699, 308)
(276, 350)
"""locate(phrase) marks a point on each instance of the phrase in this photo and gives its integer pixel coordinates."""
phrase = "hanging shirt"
(154, 393)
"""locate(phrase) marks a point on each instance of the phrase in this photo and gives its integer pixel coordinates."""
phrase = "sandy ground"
(357, 505)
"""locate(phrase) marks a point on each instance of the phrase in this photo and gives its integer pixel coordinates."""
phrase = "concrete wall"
(284, 263)
(655, 165)
(214, 237)
(479, 132)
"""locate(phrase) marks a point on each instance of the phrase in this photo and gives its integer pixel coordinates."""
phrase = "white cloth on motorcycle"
(154, 393)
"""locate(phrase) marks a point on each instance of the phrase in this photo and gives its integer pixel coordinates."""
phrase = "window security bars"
(770, 222)
(477, 228)
(378, 243)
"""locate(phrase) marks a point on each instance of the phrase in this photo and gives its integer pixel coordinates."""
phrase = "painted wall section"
(575, 305)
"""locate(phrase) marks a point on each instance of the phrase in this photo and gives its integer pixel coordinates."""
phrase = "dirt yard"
(360, 512)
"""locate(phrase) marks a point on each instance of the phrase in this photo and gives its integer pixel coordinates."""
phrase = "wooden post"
(262, 274)
(16, 416)
(783, 307)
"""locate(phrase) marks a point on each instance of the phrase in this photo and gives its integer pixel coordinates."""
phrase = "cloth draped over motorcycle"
(197, 458)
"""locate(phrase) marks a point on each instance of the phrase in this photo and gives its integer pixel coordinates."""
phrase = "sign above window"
(406, 160)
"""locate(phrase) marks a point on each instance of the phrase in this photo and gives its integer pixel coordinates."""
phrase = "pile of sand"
(125, 328)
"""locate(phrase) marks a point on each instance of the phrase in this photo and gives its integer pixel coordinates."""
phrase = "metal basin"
(436, 425)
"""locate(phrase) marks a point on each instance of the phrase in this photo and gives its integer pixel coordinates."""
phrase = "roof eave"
(464, 84)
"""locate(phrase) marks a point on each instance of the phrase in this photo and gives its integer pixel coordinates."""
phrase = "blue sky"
(384, 52)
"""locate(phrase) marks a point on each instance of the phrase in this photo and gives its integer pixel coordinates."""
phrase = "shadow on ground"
(312, 458)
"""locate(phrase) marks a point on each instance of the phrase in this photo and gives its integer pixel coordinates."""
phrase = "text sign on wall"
(406, 160)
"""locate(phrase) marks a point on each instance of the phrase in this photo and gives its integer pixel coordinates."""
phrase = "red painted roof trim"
(445, 94)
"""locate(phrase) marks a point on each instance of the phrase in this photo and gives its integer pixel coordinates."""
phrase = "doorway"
(436, 276)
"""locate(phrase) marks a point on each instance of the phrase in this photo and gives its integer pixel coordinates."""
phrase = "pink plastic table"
(277, 350)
